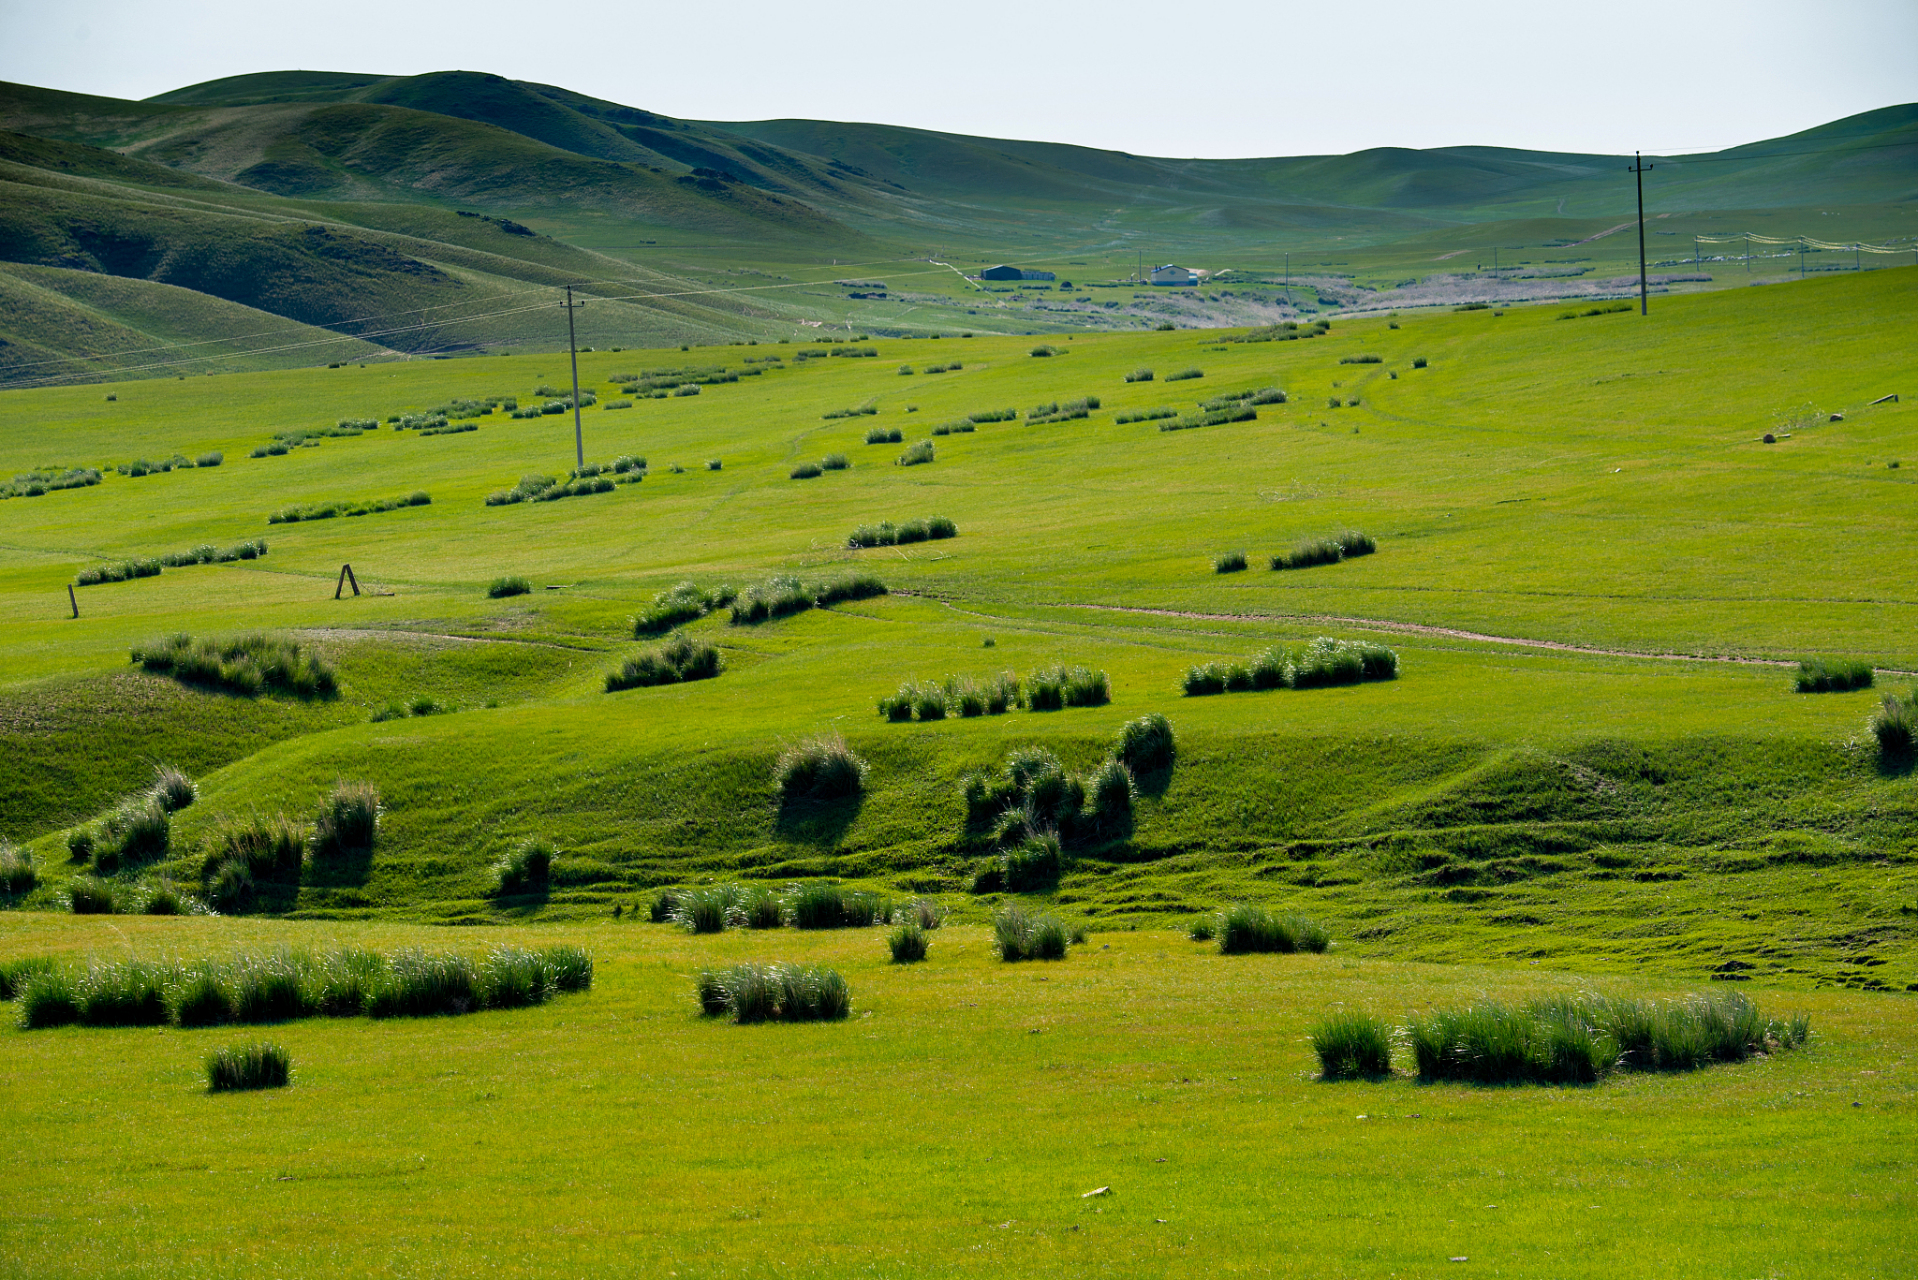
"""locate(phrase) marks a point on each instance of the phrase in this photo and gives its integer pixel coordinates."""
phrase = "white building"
(1172, 275)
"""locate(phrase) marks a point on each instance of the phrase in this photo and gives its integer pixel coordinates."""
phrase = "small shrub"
(172, 789)
(1230, 562)
(1352, 1044)
(1833, 675)
(1017, 935)
(907, 943)
(918, 454)
(1146, 745)
(508, 586)
(250, 1066)
(819, 770)
(87, 896)
(525, 869)
(349, 820)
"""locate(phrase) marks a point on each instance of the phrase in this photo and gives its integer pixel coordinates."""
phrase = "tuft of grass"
(1139, 375)
(172, 789)
(777, 597)
(1146, 745)
(420, 984)
(1350, 1045)
(164, 900)
(884, 435)
(819, 905)
(1018, 935)
(139, 829)
(711, 910)
(47, 997)
(249, 666)
(349, 820)
(18, 875)
(835, 462)
(679, 659)
(907, 942)
(1110, 792)
(508, 586)
(852, 586)
(805, 471)
(1202, 928)
(1185, 375)
(1833, 675)
(248, 1066)
(769, 992)
(524, 870)
(1328, 550)
(1895, 725)
(918, 454)
(1323, 662)
(817, 771)
(1230, 562)
(1244, 929)
(686, 602)
(1054, 688)
(14, 974)
(88, 896)
(270, 847)
(124, 993)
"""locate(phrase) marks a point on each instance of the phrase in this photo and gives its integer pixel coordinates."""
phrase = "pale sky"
(1224, 79)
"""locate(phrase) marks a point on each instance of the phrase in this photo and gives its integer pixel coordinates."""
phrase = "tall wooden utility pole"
(572, 345)
(1639, 168)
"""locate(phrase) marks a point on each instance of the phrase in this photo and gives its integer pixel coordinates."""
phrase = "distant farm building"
(1172, 275)
(1013, 273)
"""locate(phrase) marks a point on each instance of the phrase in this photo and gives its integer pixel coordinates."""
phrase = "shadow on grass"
(345, 869)
(1154, 783)
(818, 822)
(1892, 767)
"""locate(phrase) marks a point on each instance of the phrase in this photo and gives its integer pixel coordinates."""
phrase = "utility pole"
(572, 345)
(1639, 168)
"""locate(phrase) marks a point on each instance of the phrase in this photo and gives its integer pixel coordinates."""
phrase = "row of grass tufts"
(888, 534)
(287, 985)
(1328, 550)
(1243, 929)
(248, 665)
(811, 905)
(1322, 663)
(1018, 934)
(680, 604)
(1833, 675)
(680, 658)
(1571, 1039)
(782, 596)
(329, 510)
(773, 993)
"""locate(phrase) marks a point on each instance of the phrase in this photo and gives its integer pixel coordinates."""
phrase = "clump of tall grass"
(1139, 375)
(1019, 935)
(348, 820)
(851, 586)
(118, 571)
(248, 1066)
(956, 695)
(777, 597)
(1328, 550)
(268, 846)
(888, 534)
(48, 997)
(330, 510)
(249, 665)
(172, 790)
(1350, 1044)
(835, 462)
(1323, 662)
(685, 602)
(1056, 687)
(1185, 375)
(1580, 1039)
(774, 992)
(994, 415)
(1230, 562)
(1895, 725)
(819, 905)
(89, 896)
(139, 829)
(1244, 929)
(18, 875)
(919, 453)
(207, 553)
(1833, 675)
(706, 910)
(907, 942)
(513, 585)
(819, 770)
(1362, 359)
(1202, 928)
(524, 870)
(15, 973)
(1144, 415)
(1036, 862)
(1146, 745)
(680, 658)
(805, 471)
(884, 435)
(1110, 793)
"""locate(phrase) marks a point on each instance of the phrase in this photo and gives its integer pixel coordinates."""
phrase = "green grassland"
(1596, 484)
(967, 1105)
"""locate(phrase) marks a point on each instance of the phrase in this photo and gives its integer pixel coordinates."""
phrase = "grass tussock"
(1146, 745)
(818, 771)
(1057, 687)
(1582, 1039)
(907, 942)
(248, 1066)
(1185, 375)
(1244, 929)
(18, 876)
(681, 658)
(1329, 550)
(820, 905)
(526, 869)
(1895, 726)
(678, 605)
(954, 696)
(888, 534)
(1322, 663)
(774, 993)
(1139, 375)
(1352, 1045)
(783, 596)
(1230, 562)
(513, 585)
(348, 821)
(1020, 935)
(1833, 675)
(330, 510)
(918, 455)
(249, 665)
